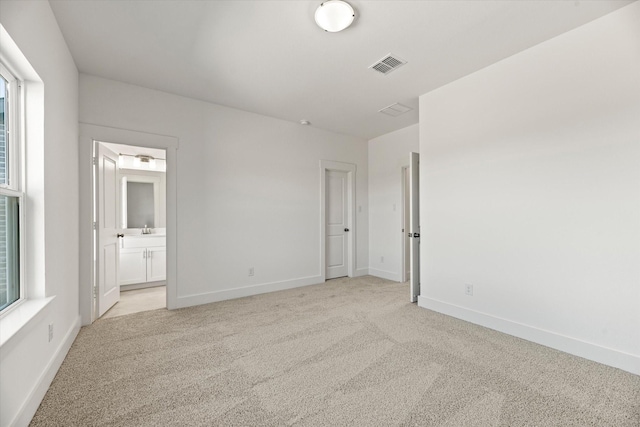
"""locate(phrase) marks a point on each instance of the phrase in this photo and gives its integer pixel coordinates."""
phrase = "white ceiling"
(269, 57)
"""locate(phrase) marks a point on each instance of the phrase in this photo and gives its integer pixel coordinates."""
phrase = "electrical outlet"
(50, 332)
(468, 289)
(251, 271)
(381, 260)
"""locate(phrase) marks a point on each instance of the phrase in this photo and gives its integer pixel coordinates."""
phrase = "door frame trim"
(350, 169)
(89, 135)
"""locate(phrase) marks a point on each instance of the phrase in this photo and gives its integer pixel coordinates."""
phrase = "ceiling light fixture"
(144, 158)
(142, 162)
(334, 15)
(305, 122)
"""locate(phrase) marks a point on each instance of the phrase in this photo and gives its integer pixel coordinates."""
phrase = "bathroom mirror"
(140, 201)
(140, 205)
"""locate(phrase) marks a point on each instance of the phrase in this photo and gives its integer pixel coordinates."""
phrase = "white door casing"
(107, 229)
(414, 220)
(89, 134)
(337, 224)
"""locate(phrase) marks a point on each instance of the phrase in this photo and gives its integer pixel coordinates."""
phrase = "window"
(11, 289)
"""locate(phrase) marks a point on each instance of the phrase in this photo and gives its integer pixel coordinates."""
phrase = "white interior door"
(414, 221)
(406, 240)
(107, 229)
(337, 217)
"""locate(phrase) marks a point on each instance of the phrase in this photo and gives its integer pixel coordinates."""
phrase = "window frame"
(15, 160)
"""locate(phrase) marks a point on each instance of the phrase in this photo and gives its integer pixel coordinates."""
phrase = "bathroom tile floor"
(138, 300)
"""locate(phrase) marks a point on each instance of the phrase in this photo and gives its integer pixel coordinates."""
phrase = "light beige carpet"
(351, 352)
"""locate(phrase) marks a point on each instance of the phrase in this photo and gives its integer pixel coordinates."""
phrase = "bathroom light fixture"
(144, 158)
(334, 15)
(142, 162)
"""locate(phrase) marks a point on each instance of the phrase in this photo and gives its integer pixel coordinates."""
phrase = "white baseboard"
(389, 275)
(361, 272)
(246, 291)
(617, 359)
(31, 404)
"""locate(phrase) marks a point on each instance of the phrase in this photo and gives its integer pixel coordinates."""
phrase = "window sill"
(20, 316)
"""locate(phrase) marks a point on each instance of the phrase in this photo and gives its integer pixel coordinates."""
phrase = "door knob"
(119, 235)
(346, 229)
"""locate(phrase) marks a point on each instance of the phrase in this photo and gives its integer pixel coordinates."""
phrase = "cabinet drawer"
(144, 241)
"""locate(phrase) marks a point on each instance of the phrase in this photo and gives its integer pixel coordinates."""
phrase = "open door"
(106, 200)
(414, 222)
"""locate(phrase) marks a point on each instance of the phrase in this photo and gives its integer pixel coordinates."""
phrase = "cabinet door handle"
(149, 253)
(144, 253)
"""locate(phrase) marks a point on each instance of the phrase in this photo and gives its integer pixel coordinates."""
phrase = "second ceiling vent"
(395, 110)
(388, 64)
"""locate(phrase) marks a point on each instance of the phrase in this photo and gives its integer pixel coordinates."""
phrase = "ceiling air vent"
(388, 64)
(395, 110)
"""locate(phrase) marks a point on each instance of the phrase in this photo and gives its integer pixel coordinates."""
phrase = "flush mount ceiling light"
(334, 15)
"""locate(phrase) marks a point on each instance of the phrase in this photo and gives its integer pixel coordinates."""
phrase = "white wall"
(387, 155)
(28, 361)
(248, 189)
(530, 191)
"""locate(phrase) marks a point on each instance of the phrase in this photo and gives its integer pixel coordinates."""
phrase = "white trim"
(88, 134)
(384, 274)
(246, 291)
(617, 359)
(18, 315)
(351, 169)
(32, 402)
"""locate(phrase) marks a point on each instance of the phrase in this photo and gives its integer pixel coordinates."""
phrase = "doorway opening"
(129, 232)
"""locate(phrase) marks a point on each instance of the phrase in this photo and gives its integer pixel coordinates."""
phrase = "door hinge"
(94, 161)
(95, 226)
(95, 292)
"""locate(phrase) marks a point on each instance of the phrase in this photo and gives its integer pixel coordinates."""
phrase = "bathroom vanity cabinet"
(143, 259)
